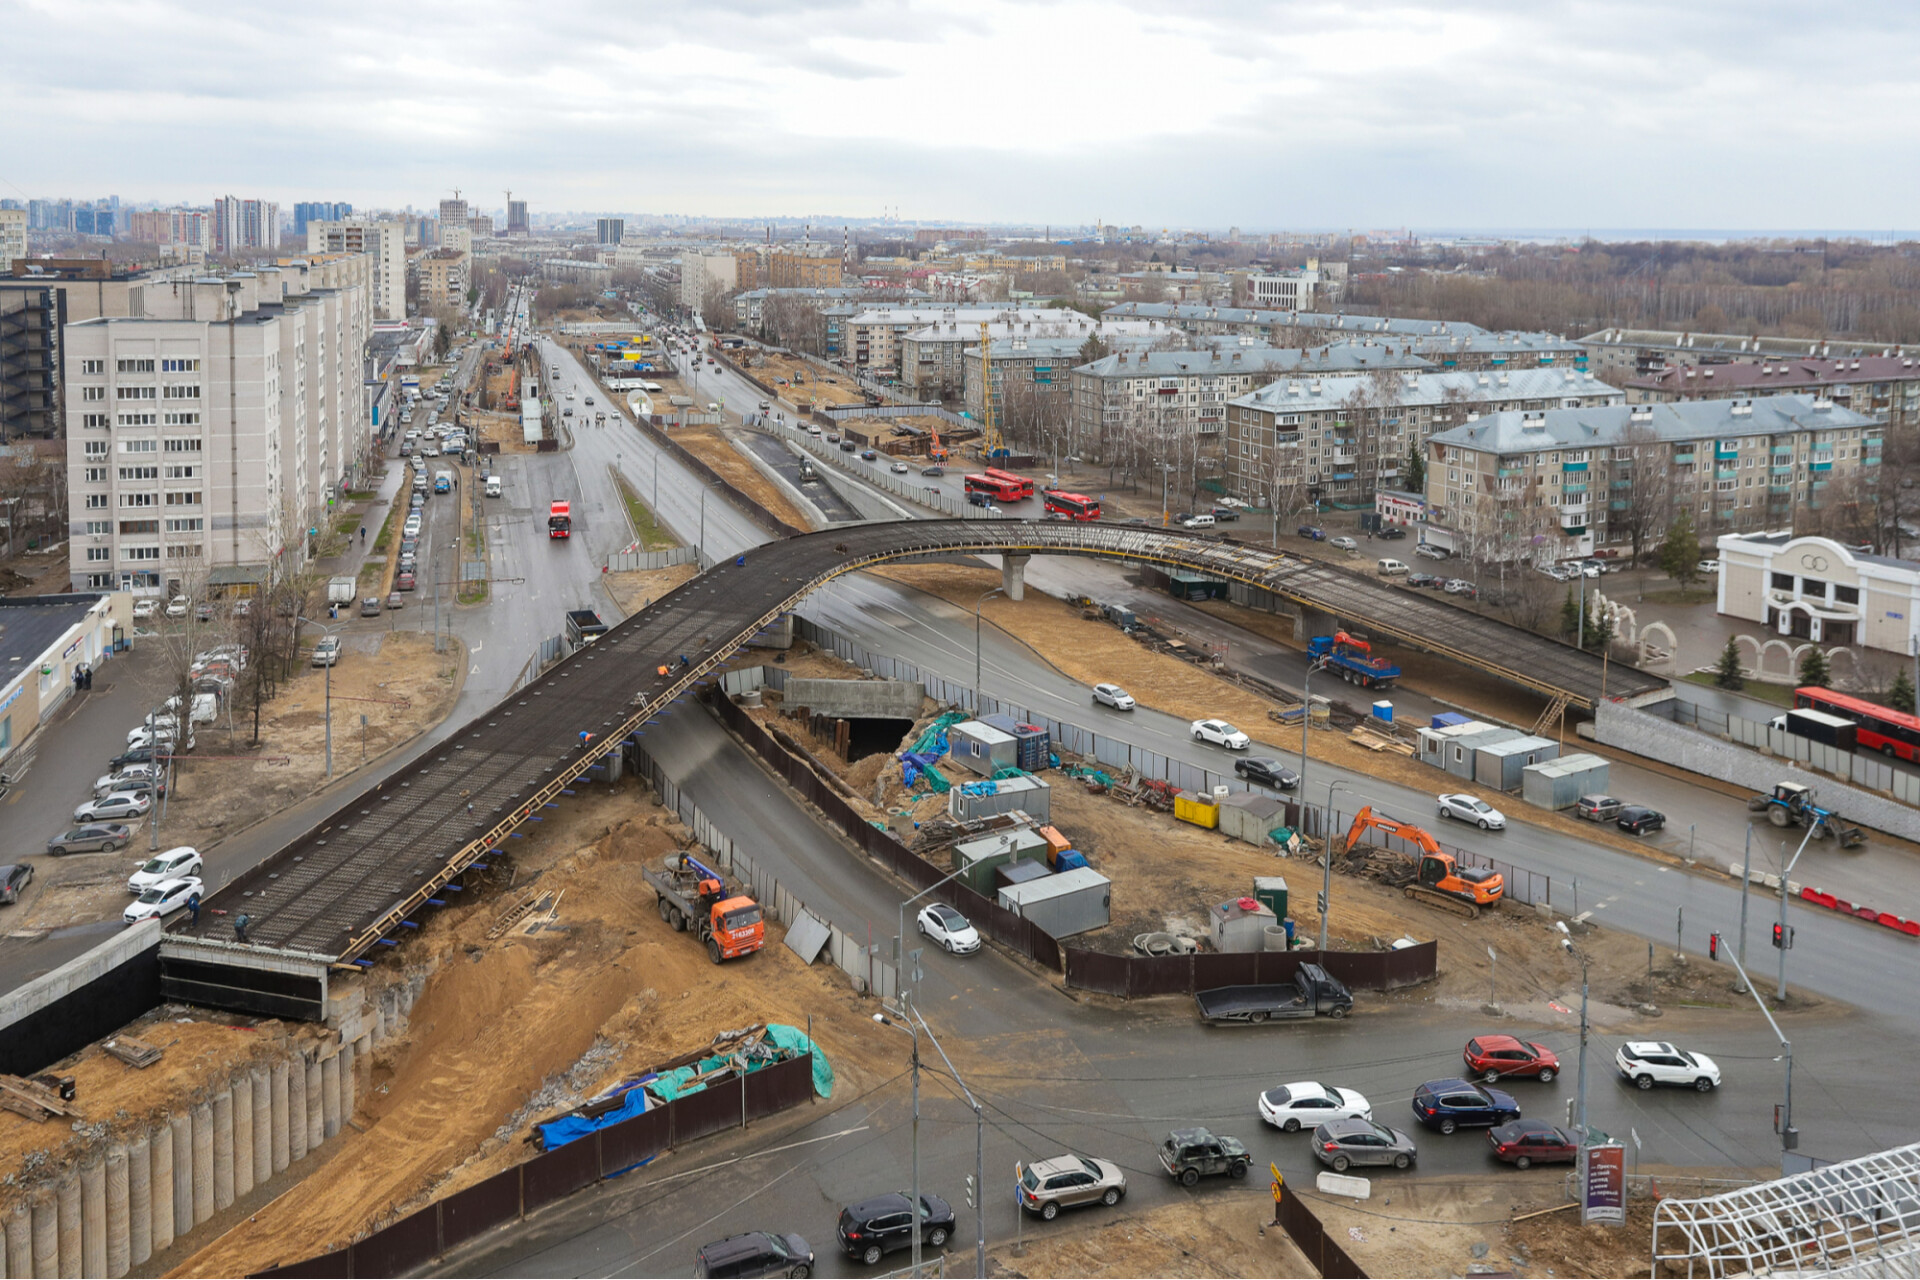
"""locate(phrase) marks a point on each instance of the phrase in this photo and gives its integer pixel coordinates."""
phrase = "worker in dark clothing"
(684, 664)
(240, 928)
(193, 908)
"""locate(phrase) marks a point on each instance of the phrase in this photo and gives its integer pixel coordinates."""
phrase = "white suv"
(1651, 1062)
(1220, 733)
(1113, 696)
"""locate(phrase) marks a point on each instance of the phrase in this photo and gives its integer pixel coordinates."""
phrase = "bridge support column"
(614, 762)
(1013, 576)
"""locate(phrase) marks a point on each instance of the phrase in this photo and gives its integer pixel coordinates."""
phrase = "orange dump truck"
(694, 898)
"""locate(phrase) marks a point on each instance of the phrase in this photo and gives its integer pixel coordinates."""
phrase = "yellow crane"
(990, 446)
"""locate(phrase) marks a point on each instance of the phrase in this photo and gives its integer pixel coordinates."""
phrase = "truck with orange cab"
(694, 898)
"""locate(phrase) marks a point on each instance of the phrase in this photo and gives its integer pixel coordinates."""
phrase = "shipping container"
(1019, 871)
(1559, 784)
(1433, 740)
(977, 860)
(1272, 891)
(1499, 764)
(971, 801)
(1063, 905)
(975, 745)
(1200, 810)
(1033, 745)
(1252, 815)
(1824, 728)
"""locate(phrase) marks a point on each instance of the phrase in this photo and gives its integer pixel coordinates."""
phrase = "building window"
(191, 524)
(179, 366)
(100, 526)
(184, 391)
(140, 553)
(136, 419)
(135, 366)
(96, 448)
(137, 446)
(133, 393)
(95, 421)
(187, 498)
(93, 366)
(93, 393)
(132, 500)
(177, 419)
(96, 475)
(103, 580)
(183, 473)
(138, 528)
(183, 446)
(99, 554)
(139, 473)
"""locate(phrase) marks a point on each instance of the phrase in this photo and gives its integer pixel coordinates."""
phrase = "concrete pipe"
(222, 1150)
(316, 1121)
(46, 1233)
(119, 1239)
(241, 1087)
(297, 1109)
(139, 1200)
(262, 1124)
(202, 1163)
(162, 1201)
(20, 1240)
(93, 1217)
(330, 1096)
(349, 1063)
(182, 1126)
(282, 1125)
(66, 1203)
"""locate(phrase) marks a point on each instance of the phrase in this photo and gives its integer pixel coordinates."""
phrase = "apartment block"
(1339, 439)
(307, 211)
(1544, 484)
(239, 225)
(443, 277)
(706, 275)
(1885, 387)
(518, 223)
(36, 304)
(871, 337)
(933, 364)
(1030, 377)
(804, 266)
(13, 238)
(1620, 354)
(610, 231)
(385, 242)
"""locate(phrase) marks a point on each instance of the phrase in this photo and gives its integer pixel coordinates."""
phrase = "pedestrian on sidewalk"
(363, 535)
(88, 671)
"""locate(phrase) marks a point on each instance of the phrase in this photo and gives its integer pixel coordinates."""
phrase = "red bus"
(1014, 478)
(1882, 729)
(1077, 505)
(560, 520)
(999, 490)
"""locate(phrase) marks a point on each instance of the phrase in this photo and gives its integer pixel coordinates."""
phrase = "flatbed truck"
(1351, 658)
(694, 899)
(1313, 991)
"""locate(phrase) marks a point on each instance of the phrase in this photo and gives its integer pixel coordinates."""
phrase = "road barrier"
(1871, 915)
(1312, 1239)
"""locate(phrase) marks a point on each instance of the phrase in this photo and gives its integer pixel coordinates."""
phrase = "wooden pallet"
(135, 1053)
(34, 1101)
(1372, 741)
(514, 914)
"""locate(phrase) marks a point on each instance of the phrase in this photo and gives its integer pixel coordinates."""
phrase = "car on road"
(14, 880)
(1392, 532)
(163, 899)
(933, 471)
(405, 581)
(1422, 580)
(1046, 1187)
(370, 607)
(868, 455)
(1638, 820)
(874, 1228)
(145, 609)
(1223, 514)
(1458, 587)
(1313, 532)
(1306, 1104)
(1197, 522)
(1341, 1144)
(1465, 808)
(1494, 1057)
(1343, 544)
(1220, 733)
(92, 837)
(900, 468)
(1112, 695)
(1598, 808)
(949, 929)
(1707, 566)
(327, 652)
(1453, 1103)
(1267, 772)
(1427, 551)
(755, 1254)
(395, 600)
(114, 806)
(1651, 1062)
(1191, 1154)
(1525, 1143)
(178, 606)
(171, 865)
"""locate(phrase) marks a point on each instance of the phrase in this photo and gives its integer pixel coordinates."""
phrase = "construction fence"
(632, 558)
(510, 1196)
(1323, 1251)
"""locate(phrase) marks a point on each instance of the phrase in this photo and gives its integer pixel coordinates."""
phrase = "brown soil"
(634, 589)
(841, 390)
(1220, 1232)
(716, 451)
(558, 1013)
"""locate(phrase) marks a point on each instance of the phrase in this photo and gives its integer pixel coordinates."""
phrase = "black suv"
(755, 1253)
(883, 1224)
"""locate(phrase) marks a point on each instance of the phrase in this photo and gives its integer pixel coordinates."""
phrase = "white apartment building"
(13, 238)
(872, 338)
(703, 275)
(932, 359)
(386, 241)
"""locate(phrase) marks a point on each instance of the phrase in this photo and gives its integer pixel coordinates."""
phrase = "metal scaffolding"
(1855, 1218)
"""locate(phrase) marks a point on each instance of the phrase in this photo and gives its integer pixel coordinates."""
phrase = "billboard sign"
(1603, 1184)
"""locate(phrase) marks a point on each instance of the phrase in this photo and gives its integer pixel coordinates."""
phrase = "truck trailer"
(1351, 658)
(1313, 991)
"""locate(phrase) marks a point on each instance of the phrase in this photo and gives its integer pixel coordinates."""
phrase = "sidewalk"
(349, 562)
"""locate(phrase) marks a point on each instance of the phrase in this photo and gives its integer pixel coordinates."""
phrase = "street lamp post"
(328, 631)
(1326, 861)
(1566, 941)
(976, 644)
(1789, 1136)
(979, 1137)
(1306, 722)
(1781, 993)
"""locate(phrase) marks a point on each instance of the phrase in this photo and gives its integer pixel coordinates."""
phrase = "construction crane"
(990, 446)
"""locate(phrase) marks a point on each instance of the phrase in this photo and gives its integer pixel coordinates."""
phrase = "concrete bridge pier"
(1013, 576)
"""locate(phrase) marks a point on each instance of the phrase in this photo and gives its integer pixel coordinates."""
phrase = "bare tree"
(1639, 476)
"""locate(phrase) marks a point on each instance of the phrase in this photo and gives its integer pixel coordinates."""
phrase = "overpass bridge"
(357, 880)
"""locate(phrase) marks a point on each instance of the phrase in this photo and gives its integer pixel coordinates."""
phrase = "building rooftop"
(1339, 357)
(1765, 375)
(1316, 394)
(922, 316)
(1378, 325)
(1782, 538)
(1733, 344)
(29, 625)
(1514, 431)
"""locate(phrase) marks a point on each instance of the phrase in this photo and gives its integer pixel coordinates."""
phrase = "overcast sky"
(1198, 113)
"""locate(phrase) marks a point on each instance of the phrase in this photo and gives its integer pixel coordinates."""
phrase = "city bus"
(1882, 729)
(999, 489)
(1077, 505)
(560, 520)
(1020, 482)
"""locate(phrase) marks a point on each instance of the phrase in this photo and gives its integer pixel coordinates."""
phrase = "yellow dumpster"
(1200, 810)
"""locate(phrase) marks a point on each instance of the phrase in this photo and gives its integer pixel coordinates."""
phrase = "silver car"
(1344, 1143)
(1114, 696)
(1065, 1182)
(1465, 808)
(119, 804)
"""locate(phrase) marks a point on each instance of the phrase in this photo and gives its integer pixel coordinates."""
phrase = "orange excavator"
(936, 451)
(1435, 876)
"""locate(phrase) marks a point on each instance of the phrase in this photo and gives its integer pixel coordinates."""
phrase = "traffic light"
(1713, 946)
(1320, 900)
(1783, 936)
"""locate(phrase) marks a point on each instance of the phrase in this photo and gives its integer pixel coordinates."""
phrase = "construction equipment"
(1351, 658)
(936, 451)
(694, 897)
(990, 444)
(1792, 805)
(1434, 876)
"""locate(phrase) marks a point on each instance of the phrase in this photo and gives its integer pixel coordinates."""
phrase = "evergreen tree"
(1680, 553)
(1814, 669)
(1900, 697)
(1599, 630)
(1727, 672)
(1416, 470)
(1569, 614)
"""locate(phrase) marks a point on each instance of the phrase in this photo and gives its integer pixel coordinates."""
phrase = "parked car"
(1459, 587)
(1707, 566)
(1430, 552)
(1651, 1062)
(92, 837)
(1220, 733)
(1637, 820)
(1422, 580)
(1312, 531)
(1598, 808)
(114, 806)
(1191, 1154)
(1112, 695)
(395, 600)
(162, 899)
(1224, 514)
(327, 652)
(1197, 522)
(949, 929)
(119, 779)
(1392, 532)
(1343, 544)
(1525, 1143)
(136, 755)
(1267, 772)
(178, 606)
(370, 607)
(1466, 808)
(1065, 1182)
(874, 1228)
(14, 880)
(145, 609)
(171, 865)
(1344, 1143)
(1558, 572)
(1449, 1104)
(1308, 1105)
(1492, 1057)
(405, 580)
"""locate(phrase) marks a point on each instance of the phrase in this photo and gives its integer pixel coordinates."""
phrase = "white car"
(1429, 552)
(949, 928)
(1112, 695)
(145, 609)
(327, 652)
(1458, 587)
(1220, 733)
(1466, 808)
(1707, 566)
(900, 468)
(116, 806)
(171, 865)
(411, 528)
(163, 899)
(178, 606)
(1305, 1105)
(1651, 1062)
(145, 737)
(1558, 572)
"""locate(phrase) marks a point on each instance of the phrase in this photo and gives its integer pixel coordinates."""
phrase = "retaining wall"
(896, 699)
(90, 996)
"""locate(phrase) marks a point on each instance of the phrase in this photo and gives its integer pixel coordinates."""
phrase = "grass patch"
(361, 495)
(1780, 695)
(476, 540)
(385, 539)
(646, 529)
(345, 525)
(371, 572)
(1681, 595)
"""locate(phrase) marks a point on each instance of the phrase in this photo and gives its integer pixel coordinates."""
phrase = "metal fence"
(1133, 977)
(1860, 768)
(1312, 1239)
(878, 478)
(509, 1196)
(634, 559)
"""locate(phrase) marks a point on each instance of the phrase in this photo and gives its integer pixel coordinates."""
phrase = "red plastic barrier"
(1911, 928)
(1886, 918)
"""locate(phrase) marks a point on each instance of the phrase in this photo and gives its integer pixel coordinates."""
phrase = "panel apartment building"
(213, 430)
(386, 241)
(1339, 439)
(1886, 387)
(933, 360)
(871, 337)
(1545, 484)
(1620, 354)
(1449, 344)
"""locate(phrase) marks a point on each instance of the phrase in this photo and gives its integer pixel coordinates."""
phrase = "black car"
(1267, 772)
(1637, 820)
(755, 1253)
(1454, 1103)
(1313, 531)
(14, 881)
(1392, 532)
(132, 755)
(1422, 580)
(873, 1228)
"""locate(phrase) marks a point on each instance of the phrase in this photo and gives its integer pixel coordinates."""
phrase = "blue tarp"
(558, 1133)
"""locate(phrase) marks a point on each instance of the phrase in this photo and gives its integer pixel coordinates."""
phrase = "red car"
(1525, 1143)
(1491, 1057)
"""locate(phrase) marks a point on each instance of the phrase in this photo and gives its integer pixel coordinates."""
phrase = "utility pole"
(1785, 937)
(1789, 1136)
(1746, 878)
(1566, 941)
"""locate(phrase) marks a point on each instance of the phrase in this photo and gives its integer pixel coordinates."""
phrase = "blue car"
(1313, 531)
(1452, 1104)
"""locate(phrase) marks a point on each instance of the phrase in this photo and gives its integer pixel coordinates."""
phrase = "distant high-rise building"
(517, 224)
(318, 211)
(245, 224)
(453, 212)
(13, 238)
(480, 225)
(386, 241)
(612, 229)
